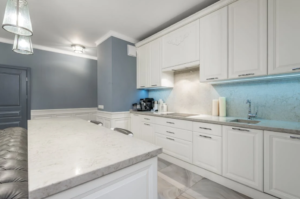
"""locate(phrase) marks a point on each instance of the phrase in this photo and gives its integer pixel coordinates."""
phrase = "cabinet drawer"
(207, 152)
(177, 133)
(181, 124)
(146, 118)
(175, 147)
(211, 129)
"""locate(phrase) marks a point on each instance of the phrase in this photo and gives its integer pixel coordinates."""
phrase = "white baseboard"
(83, 113)
(252, 193)
(114, 119)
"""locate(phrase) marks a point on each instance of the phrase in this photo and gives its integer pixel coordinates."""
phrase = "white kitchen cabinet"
(181, 47)
(282, 165)
(284, 40)
(135, 125)
(248, 38)
(177, 148)
(214, 46)
(243, 156)
(143, 62)
(207, 152)
(147, 132)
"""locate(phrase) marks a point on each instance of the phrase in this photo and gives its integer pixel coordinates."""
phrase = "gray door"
(13, 97)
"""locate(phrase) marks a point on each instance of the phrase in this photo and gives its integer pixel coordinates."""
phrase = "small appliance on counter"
(144, 105)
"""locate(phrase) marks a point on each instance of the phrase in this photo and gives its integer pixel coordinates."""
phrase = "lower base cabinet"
(207, 152)
(177, 148)
(243, 156)
(147, 132)
(282, 165)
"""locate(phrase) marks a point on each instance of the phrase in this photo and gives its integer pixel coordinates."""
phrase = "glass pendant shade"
(78, 48)
(23, 45)
(16, 18)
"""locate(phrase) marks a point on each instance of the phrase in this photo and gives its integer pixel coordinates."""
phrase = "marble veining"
(64, 153)
(273, 99)
(265, 125)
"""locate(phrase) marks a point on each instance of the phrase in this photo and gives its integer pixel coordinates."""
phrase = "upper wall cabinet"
(284, 36)
(143, 62)
(181, 47)
(248, 38)
(213, 46)
(149, 73)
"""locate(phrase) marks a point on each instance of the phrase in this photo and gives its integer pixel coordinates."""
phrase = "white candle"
(215, 107)
(222, 106)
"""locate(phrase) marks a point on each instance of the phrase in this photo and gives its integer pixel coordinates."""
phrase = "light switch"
(131, 51)
(101, 106)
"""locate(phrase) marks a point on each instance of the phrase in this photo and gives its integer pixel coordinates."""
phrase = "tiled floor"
(175, 182)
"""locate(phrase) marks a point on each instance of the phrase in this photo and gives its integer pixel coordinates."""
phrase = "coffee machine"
(144, 105)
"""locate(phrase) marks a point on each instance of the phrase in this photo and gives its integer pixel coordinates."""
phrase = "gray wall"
(58, 81)
(117, 76)
(273, 99)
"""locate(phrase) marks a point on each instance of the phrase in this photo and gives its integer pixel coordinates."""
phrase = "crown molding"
(117, 35)
(46, 48)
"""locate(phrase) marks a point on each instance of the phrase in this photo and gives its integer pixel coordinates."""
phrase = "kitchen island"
(71, 158)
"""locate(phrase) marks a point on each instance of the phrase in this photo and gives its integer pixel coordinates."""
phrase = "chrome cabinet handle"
(170, 122)
(142, 86)
(204, 128)
(147, 124)
(248, 74)
(296, 69)
(237, 129)
(213, 78)
(205, 136)
(170, 132)
(146, 118)
(294, 137)
(170, 139)
(154, 85)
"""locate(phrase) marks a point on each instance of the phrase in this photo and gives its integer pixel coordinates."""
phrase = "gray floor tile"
(206, 189)
(166, 190)
(182, 176)
(161, 164)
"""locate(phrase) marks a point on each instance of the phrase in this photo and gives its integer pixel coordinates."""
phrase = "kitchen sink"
(245, 121)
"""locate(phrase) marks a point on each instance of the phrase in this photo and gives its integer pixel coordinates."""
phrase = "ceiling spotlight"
(23, 45)
(17, 18)
(78, 48)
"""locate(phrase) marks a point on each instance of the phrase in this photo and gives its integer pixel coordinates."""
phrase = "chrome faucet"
(250, 114)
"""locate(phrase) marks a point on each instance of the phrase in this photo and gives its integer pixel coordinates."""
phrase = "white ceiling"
(59, 23)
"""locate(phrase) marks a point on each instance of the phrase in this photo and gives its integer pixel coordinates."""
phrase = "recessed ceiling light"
(78, 48)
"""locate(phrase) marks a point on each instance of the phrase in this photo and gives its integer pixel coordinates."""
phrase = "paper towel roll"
(222, 106)
(215, 107)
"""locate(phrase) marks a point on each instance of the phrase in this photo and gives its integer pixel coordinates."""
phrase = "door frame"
(28, 85)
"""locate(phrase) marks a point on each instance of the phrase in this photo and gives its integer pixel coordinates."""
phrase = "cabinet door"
(213, 46)
(155, 63)
(282, 165)
(143, 55)
(135, 125)
(284, 39)
(181, 46)
(243, 156)
(207, 152)
(177, 148)
(147, 132)
(247, 38)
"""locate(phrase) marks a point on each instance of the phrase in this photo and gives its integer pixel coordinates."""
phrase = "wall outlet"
(101, 106)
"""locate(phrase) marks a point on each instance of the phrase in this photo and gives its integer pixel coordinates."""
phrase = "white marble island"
(71, 158)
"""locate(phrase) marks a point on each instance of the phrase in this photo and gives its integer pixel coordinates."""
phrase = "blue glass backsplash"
(273, 99)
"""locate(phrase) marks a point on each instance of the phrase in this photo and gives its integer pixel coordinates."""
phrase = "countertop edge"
(257, 127)
(84, 178)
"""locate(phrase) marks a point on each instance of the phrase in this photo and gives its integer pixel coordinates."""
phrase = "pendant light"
(17, 18)
(78, 48)
(23, 45)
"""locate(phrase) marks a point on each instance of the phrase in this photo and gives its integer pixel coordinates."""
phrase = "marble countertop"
(64, 153)
(266, 125)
